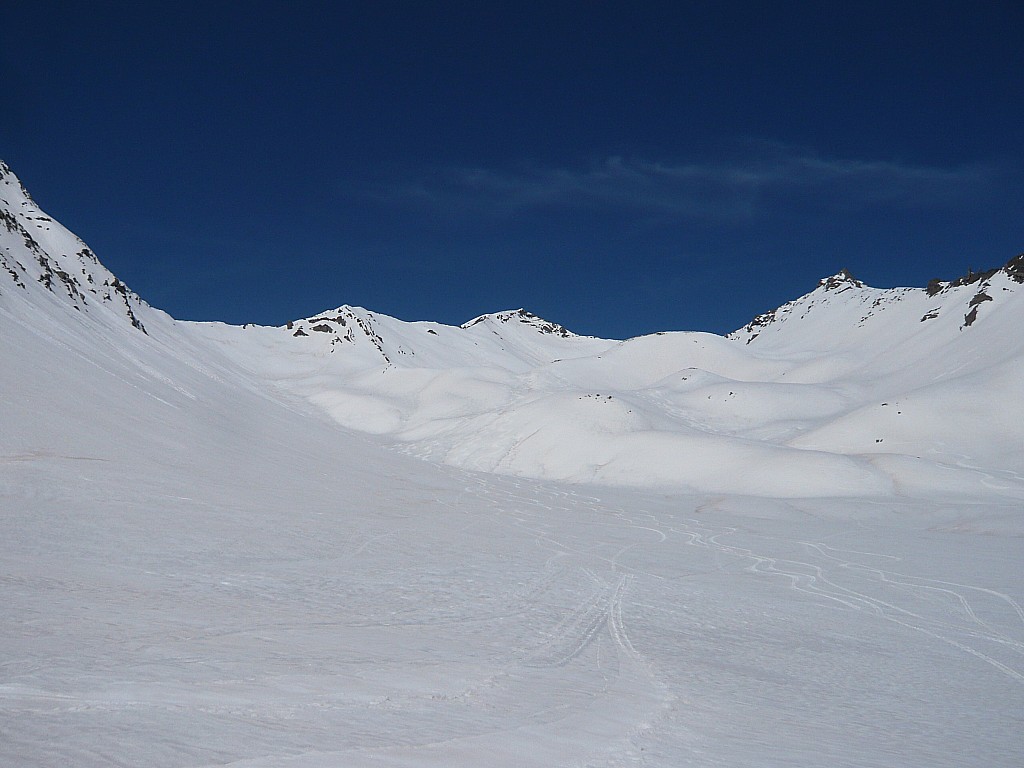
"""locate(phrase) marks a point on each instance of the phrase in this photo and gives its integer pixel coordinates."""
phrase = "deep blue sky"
(619, 167)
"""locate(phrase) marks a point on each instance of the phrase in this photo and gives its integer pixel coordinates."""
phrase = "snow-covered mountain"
(37, 253)
(836, 393)
(798, 545)
(848, 390)
(859, 315)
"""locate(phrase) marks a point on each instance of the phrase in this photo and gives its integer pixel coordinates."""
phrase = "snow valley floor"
(392, 544)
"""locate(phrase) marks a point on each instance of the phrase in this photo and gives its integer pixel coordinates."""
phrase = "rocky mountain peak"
(36, 251)
(841, 280)
(526, 318)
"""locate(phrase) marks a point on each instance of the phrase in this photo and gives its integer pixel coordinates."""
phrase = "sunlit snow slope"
(801, 545)
(847, 391)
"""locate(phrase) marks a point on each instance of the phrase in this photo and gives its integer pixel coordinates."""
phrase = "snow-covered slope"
(206, 559)
(938, 372)
(847, 390)
(896, 329)
(39, 255)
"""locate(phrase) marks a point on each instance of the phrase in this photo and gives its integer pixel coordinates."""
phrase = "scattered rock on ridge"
(840, 281)
(872, 301)
(525, 317)
(34, 249)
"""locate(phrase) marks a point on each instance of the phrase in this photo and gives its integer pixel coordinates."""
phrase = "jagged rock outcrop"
(36, 251)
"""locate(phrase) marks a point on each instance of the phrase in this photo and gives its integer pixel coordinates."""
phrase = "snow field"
(220, 546)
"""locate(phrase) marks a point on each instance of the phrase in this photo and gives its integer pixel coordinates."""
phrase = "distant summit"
(844, 302)
(524, 317)
(840, 281)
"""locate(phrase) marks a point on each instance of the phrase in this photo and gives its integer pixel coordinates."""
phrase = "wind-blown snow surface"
(216, 550)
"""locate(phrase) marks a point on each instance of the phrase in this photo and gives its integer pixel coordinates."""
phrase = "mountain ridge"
(228, 545)
(64, 262)
(799, 397)
(946, 294)
(56, 259)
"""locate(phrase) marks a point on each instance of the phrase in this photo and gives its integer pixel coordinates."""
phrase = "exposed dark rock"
(1014, 268)
(842, 280)
(125, 294)
(9, 221)
(11, 269)
(979, 298)
(761, 321)
(972, 277)
(523, 316)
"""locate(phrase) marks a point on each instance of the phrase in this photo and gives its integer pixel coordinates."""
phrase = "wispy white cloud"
(728, 191)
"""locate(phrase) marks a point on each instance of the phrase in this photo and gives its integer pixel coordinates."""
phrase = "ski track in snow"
(570, 653)
(592, 639)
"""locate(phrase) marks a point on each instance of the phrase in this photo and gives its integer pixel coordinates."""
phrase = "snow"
(503, 545)
(804, 407)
